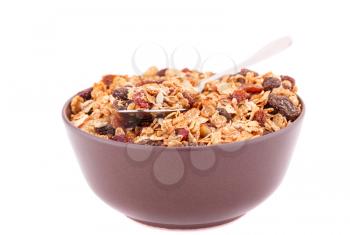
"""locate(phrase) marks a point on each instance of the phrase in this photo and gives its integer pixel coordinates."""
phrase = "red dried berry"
(86, 94)
(288, 78)
(270, 83)
(121, 93)
(240, 95)
(253, 89)
(284, 106)
(105, 130)
(108, 79)
(260, 117)
(161, 73)
(183, 132)
(189, 97)
(140, 101)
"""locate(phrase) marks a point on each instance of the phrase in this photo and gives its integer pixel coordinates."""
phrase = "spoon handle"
(267, 51)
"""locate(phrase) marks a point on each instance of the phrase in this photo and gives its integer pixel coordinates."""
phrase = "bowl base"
(186, 226)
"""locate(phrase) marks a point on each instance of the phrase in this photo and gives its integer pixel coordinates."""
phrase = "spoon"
(265, 52)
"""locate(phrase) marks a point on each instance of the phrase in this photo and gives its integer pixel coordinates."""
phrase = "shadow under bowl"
(184, 187)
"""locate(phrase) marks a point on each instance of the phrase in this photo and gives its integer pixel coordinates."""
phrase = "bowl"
(184, 187)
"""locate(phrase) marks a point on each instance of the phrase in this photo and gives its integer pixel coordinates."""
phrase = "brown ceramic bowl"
(186, 187)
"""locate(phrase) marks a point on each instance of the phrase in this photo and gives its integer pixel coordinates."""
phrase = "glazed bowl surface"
(184, 187)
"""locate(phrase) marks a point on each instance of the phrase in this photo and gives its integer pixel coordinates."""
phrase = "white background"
(50, 50)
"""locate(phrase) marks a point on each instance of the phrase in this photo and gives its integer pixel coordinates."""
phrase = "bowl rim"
(189, 148)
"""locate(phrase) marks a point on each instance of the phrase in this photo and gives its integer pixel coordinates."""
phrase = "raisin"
(266, 132)
(270, 83)
(120, 138)
(185, 70)
(245, 71)
(183, 132)
(240, 95)
(161, 73)
(86, 94)
(288, 78)
(240, 80)
(105, 130)
(140, 101)
(260, 117)
(108, 79)
(189, 97)
(284, 106)
(253, 89)
(224, 113)
(121, 93)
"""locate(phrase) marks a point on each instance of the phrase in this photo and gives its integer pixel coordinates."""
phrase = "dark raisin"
(161, 73)
(245, 71)
(140, 101)
(185, 70)
(240, 80)
(120, 138)
(120, 93)
(260, 117)
(86, 94)
(240, 95)
(224, 113)
(288, 78)
(253, 89)
(108, 79)
(105, 130)
(270, 83)
(183, 132)
(284, 106)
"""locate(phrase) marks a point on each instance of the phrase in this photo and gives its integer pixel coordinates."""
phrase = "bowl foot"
(186, 226)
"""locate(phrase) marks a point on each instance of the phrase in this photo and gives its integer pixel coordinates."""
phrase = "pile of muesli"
(236, 107)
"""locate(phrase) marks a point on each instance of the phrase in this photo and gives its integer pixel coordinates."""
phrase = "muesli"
(237, 107)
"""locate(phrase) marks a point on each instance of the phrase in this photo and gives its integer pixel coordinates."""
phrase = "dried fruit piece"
(185, 70)
(105, 130)
(240, 95)
(224, 113)
(245, 71)
(86, 94)
(183, 132)
(253, 89)
(284, 106)
(288, 78)
(120, 138)
(120, 93)
(270, 83)
(108, 79)
(240, 80)
(161, 73)
(189, 97)
(140, 100)
(260, 117)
